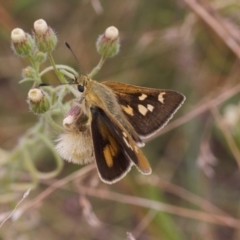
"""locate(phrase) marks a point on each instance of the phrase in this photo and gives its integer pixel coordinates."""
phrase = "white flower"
(76, 147)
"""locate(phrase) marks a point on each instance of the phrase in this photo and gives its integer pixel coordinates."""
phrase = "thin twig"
(218, 26)
(159, 206)
(15, 208)
(186, 195)
(44, 194)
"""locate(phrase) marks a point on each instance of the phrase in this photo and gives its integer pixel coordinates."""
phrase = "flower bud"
(69, 121)
(45, 37)
(29, 72)
(22, 43)
(108, 43)
(75, 119)
(38, 101)
(40, 57)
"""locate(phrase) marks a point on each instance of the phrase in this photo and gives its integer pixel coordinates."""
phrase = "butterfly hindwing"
(115, 151)
(147, 109)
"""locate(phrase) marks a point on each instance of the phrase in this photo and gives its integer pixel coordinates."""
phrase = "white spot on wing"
(161, 98)
(143, 110)
(150, 107)
(127, 110)
(127, 143)
(142, 97)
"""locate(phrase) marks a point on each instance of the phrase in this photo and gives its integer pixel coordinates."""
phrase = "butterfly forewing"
(115, 151)
(147, 109)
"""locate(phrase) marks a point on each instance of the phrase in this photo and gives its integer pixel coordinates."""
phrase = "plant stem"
(60, 76)
(98, 67)
(58, 66)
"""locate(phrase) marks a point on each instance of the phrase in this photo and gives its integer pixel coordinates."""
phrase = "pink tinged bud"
(108, 43)
(76, 144)
(76, 120)
(69, 122)
(22, 43)
(38, 101)
(46, 39)
(74, 110)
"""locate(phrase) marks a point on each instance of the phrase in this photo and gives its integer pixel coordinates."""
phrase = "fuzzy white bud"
(45, 37)
(111, 33)
(18, 35)
(38, 101)
(35, 95)
(40, 27)
(108, 43)
(22, 43)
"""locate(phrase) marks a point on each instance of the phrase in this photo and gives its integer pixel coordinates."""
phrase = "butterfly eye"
(80, 88)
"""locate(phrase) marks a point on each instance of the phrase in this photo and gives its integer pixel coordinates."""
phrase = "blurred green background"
(184, 45)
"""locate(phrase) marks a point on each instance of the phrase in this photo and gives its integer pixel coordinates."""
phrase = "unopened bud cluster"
(108, 43)
(44, 40)
(37, 47)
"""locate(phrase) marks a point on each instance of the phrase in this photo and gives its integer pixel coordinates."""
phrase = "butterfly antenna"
(74, 55)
